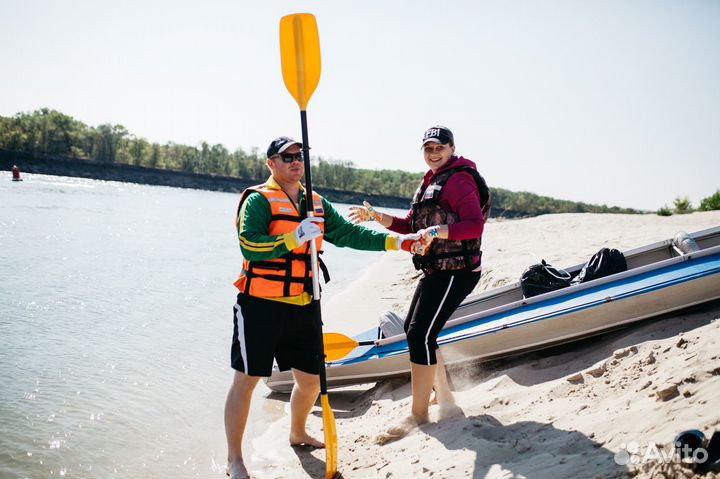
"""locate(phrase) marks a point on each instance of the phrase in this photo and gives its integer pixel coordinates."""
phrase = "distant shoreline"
(76, 167)
(60, 165)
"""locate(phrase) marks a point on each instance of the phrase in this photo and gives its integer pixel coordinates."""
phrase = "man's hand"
(361, 214)
(427, 235)
(406, 242)
(308, 230)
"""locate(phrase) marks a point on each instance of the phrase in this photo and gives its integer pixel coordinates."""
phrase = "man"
(273, 317)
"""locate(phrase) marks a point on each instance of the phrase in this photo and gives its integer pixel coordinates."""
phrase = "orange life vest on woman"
(290, 274)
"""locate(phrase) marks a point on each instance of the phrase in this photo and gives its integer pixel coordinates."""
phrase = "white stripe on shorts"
(447, 291)
(241, 336)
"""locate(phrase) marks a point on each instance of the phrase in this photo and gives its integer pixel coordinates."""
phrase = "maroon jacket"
(460, 195)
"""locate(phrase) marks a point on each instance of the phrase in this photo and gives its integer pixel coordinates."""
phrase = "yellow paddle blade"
(331, 442)
(300, 56)
(337, 346)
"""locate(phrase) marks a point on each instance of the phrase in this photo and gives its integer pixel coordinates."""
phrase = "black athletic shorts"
(265, 330)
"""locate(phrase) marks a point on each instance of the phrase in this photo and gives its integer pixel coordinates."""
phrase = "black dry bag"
(543, 278)
(603, 263)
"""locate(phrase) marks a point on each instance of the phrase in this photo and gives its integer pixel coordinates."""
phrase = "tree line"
(49, 132)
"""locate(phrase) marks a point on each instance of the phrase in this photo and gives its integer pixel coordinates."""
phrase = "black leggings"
(436, 298)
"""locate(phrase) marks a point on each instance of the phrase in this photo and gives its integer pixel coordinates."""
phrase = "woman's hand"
(361, 214)
(427, 236)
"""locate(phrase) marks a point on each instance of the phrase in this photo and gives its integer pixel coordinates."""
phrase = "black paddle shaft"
(306, 160)
(308, 208)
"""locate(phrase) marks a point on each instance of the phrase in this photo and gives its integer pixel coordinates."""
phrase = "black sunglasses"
(290, 157)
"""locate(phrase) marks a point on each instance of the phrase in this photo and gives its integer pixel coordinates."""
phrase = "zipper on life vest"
(295, 205)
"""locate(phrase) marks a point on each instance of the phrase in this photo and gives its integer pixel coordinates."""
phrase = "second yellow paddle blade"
(300, 55)
(331, 442)
(337, 346)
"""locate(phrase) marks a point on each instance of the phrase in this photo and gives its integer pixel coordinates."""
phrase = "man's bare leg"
(422, 384)
(302, 400)
(237, 408)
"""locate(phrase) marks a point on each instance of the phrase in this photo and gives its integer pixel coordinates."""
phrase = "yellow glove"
(401, 242)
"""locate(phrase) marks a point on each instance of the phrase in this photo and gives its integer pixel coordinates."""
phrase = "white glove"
(308, 230)
(406, 242)
(360, 214)
(427, 235)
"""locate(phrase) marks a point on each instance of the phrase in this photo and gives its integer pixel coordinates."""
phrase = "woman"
(448, 211)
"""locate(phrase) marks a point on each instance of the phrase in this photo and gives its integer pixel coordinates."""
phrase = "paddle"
(300, 56)
(337, 345)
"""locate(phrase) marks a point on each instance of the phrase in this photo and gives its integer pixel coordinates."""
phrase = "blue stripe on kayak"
(623, 289)
(453, 333)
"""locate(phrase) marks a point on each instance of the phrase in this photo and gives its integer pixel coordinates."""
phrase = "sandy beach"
(592, 409)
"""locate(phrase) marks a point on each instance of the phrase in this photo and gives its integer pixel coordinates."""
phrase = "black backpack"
(603, 263)
(543, 278)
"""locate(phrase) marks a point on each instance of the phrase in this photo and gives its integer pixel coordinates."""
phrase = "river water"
(115, 326)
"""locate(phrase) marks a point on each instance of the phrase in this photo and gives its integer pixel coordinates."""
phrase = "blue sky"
(613, 102)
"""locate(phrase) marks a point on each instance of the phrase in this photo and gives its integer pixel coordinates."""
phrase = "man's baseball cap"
(279, 145)
(438, 134)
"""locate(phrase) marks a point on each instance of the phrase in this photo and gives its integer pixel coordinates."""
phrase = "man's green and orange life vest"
(290, 274)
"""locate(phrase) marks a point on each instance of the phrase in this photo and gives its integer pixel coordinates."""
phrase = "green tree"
(43, 131)
(664, 211)
(218, 160)
(108, 140)
(140, 149)
(682, 205)
(204, 166)
(711, 202)
(155, 156)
